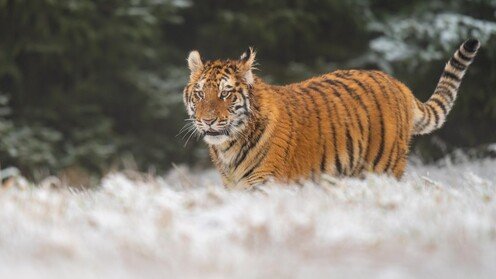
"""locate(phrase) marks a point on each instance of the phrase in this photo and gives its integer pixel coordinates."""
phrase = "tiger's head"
(217, 96)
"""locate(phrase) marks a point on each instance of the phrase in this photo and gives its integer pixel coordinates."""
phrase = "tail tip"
(471, 45)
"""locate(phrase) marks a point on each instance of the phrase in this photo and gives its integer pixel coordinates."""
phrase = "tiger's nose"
(210, 121)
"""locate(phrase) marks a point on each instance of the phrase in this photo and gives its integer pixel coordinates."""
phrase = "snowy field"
(438, 222)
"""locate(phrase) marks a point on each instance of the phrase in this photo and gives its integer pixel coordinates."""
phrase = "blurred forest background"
(93, 85)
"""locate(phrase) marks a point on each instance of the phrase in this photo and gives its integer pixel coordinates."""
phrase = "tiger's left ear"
(195, 62)
(247, 65)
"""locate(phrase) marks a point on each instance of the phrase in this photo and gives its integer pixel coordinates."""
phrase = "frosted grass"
(438, 222)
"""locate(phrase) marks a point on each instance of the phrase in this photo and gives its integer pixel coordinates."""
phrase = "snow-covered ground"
(438, 222)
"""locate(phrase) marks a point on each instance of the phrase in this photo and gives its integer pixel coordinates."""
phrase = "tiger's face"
(217, 96)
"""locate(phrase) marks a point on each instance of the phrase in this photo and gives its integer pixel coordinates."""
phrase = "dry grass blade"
(186, 183)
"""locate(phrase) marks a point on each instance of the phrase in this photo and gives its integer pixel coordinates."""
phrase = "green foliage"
(74, 73)
(88, 82)
(283, 32)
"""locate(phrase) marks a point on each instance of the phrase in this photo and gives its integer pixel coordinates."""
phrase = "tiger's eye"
(224, 94)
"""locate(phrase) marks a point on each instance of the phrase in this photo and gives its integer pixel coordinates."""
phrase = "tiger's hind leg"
(399, 169)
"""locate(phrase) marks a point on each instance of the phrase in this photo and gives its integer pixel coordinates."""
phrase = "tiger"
(346, 123)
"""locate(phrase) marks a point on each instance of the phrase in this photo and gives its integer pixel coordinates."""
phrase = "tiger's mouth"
(215, 133)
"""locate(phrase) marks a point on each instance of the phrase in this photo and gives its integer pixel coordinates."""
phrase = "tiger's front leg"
(251, 181)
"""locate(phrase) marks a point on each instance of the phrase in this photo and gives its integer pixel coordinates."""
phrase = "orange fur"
(343, 123)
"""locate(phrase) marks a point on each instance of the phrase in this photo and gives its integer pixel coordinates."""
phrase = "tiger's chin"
(215, 140)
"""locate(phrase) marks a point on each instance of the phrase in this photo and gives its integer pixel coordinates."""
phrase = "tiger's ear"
(195, 63)
(247, 65)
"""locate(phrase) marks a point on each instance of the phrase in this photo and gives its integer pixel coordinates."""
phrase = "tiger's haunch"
(343, 123)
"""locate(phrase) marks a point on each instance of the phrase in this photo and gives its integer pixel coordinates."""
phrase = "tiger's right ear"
(195, 63)
(247, 64)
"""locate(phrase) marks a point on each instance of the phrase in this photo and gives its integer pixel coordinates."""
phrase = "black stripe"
(292, 126)
(331, 126)
(319, 120)
(260, 158)
(253, 141)
(361, 149)
(450, 75)
(446, 93)
(443, 99)
(350, 142)
(245, 103)
(440, 104)
(260, 179)
(396, 140)
(449, 84)
(436, 116)
(398, 94)
(365, 89)
(345, 124)
(399, 119)
(456, 64)
(305, 105)
(464, 57)
(323, 159)
(390, 158)
(427, 113)
(231, 144)
(421, 107)
(339, 165)
(304, 94)
(351, 151)
(355, 96)
(383, 130)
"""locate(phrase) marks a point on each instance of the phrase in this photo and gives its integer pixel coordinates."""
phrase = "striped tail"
(432, 114)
